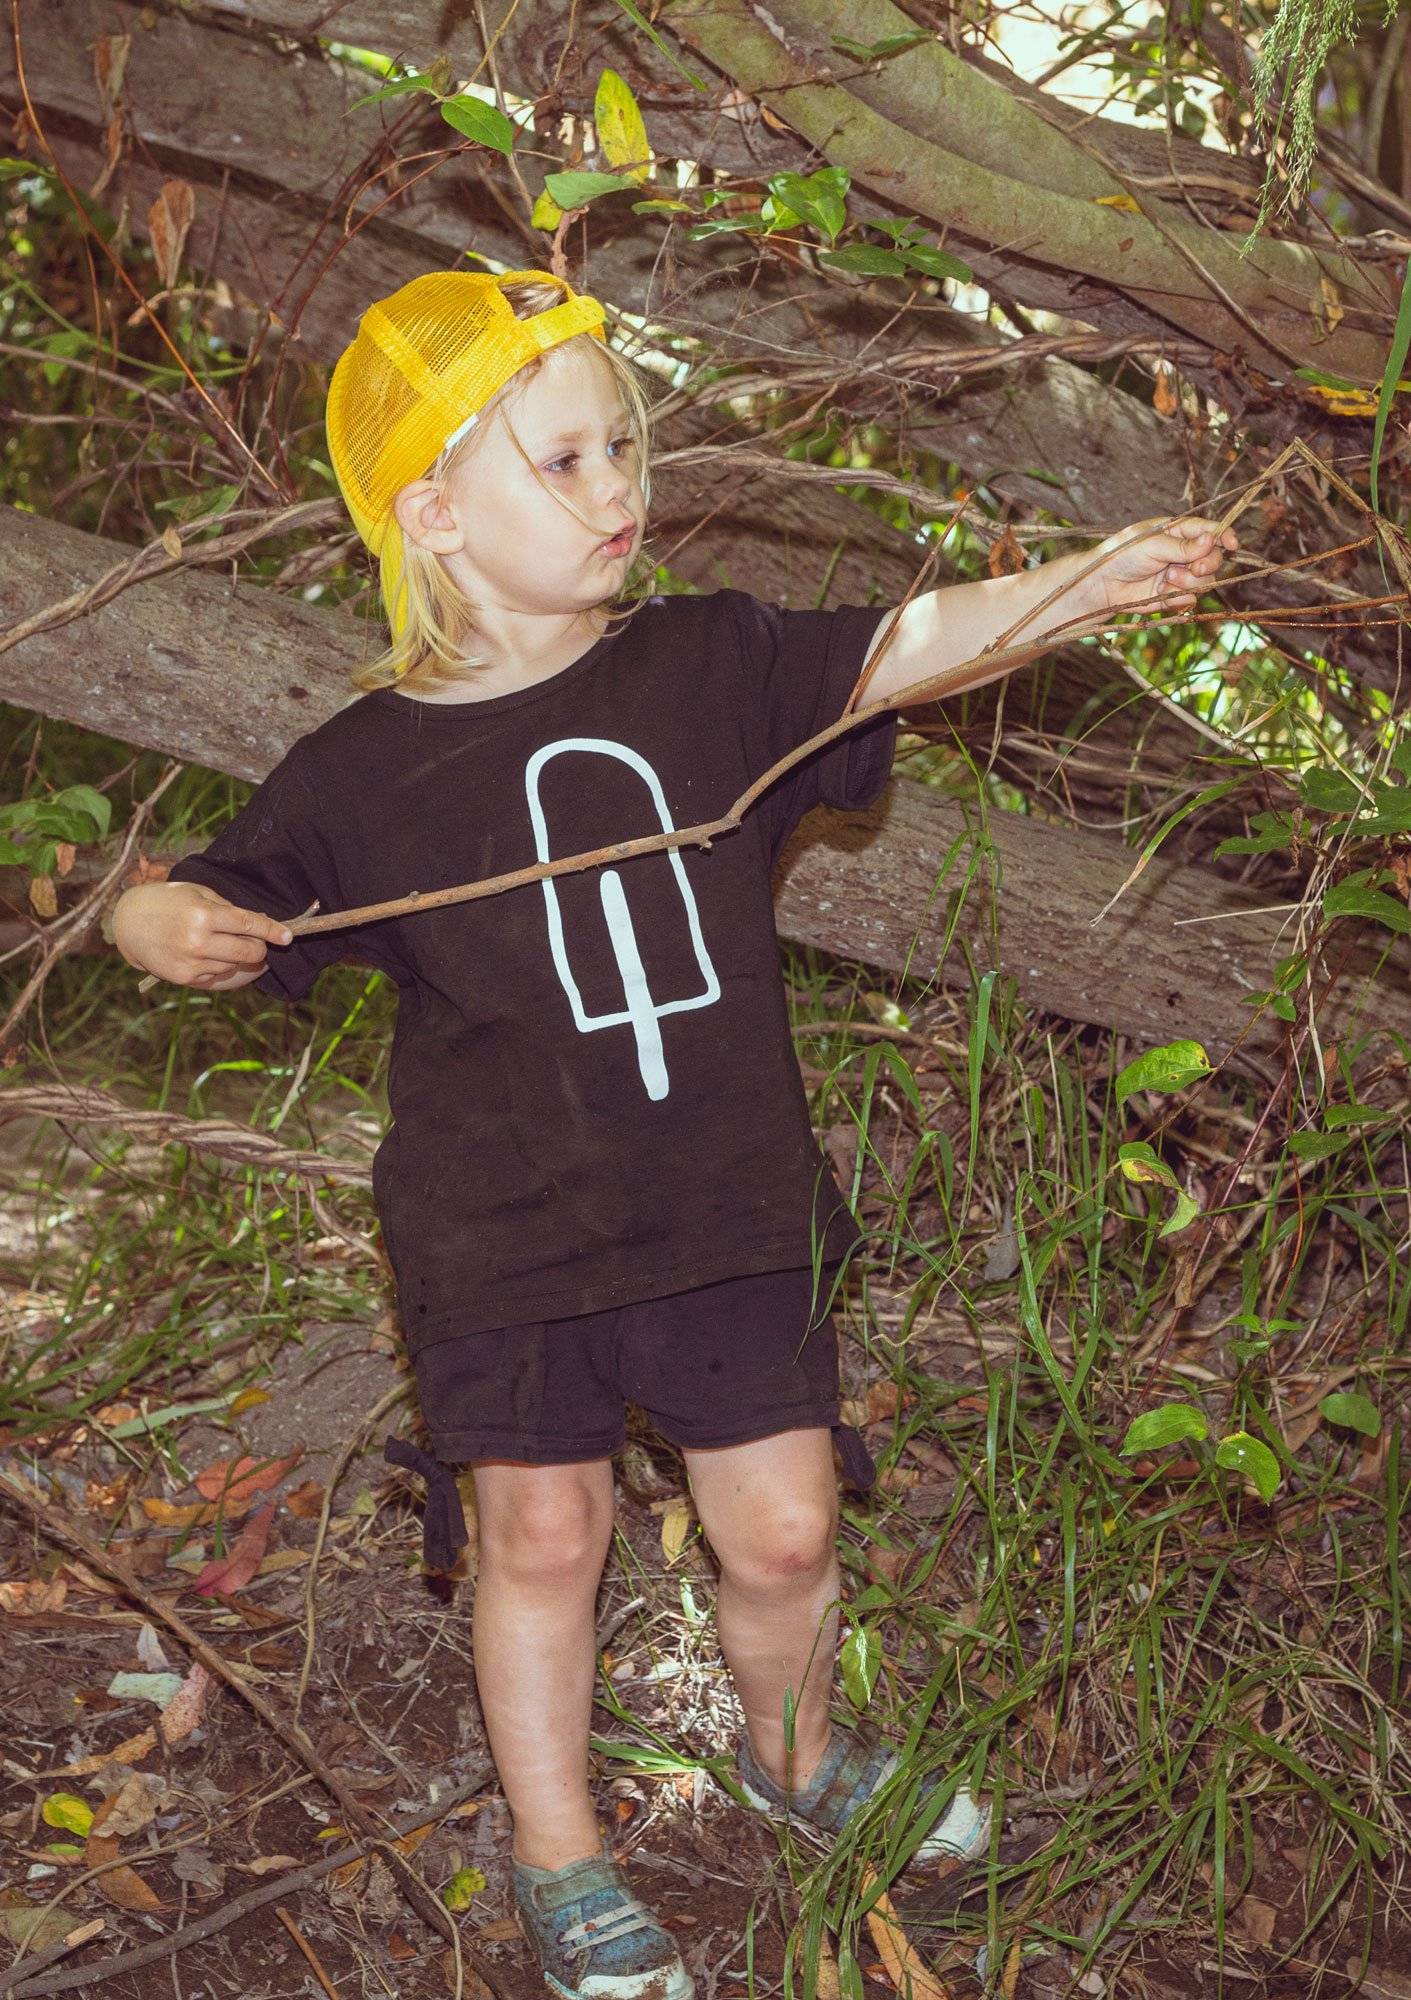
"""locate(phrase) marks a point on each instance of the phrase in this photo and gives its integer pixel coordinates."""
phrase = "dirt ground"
(390, 1707)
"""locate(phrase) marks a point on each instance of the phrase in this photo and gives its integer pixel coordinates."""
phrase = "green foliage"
(1289, 67)
(860, 1660)
(1170, 1067)
(31, 829)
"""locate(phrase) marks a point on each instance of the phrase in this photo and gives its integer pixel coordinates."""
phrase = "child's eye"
(570, 456)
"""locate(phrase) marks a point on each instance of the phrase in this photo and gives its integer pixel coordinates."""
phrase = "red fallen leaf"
(237, 1481)
(234, 1571)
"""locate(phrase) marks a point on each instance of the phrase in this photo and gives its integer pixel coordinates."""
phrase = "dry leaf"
(43, 896)
(168, 1514)
(110, 54)
(675, 1526)
(305, 1502)
(1006, 558)
(1255, 1918)
(234, 1483)
(1328, 308)
(169, 223)
(187, 1705)
(130, 1751)
(912, 1979)
(1164, 399)
(234, 1571)
(65, 854)
(35, 1595)
(171, 542)
(121, 1886)
(132, 1806)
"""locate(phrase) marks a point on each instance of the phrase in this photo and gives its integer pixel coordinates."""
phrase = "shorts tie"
(443, 1525)
(858, 1468)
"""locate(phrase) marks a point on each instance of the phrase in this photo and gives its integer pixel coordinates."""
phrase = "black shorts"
(723, 1364)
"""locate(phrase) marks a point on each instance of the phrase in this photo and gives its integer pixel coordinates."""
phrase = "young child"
(600, 1184)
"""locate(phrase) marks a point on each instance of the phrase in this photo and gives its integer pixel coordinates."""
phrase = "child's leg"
(544, 1533)
(770, 1512)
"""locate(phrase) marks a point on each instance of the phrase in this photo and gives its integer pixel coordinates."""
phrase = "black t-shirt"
(593, 1086)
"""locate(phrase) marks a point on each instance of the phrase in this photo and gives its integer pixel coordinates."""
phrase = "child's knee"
(790, 1540)
(553, 1532)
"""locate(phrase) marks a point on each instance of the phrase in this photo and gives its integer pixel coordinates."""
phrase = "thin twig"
(64, 1530)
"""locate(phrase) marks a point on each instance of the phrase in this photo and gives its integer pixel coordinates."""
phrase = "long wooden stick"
(971, 673)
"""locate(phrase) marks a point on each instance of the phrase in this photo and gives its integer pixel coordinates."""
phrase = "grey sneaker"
(854, 1766)
(593, 1939)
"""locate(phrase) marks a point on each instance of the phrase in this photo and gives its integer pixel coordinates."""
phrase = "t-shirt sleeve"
(799, 669)
(275, 856)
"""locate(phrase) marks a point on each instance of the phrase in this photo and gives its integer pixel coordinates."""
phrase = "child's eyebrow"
(572, 437)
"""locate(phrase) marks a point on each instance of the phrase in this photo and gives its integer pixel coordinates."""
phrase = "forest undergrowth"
(1134, 1557)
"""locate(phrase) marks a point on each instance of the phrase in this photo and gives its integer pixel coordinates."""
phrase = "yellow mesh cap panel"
(424, 361)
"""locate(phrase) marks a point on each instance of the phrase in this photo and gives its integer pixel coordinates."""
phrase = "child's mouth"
(620, 543)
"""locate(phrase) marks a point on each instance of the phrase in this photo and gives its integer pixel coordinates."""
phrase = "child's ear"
(424, 517)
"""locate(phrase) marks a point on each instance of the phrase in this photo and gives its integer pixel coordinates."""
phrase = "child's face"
(507, 540)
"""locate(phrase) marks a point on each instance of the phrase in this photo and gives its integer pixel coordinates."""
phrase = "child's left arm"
(1157, 564)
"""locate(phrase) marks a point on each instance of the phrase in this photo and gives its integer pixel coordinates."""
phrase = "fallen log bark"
(269, 157)
(267, 163)
(229, 675)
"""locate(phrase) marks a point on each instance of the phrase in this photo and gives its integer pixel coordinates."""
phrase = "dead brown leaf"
(35, 1594)
(187, 1705)
(169, 223)
(305, 1502)
(1006, 558)
(912, 1979)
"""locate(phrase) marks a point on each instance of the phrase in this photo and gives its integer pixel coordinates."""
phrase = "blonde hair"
(429, 652)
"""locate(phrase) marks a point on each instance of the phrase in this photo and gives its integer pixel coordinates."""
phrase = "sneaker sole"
(669, 1983)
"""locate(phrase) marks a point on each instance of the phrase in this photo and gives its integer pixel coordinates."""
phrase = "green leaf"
(1242, 1453)
(400, 88)
(1170, 1424)
(88, 800)
(1351, 899)
(485, 123)
(1139, 1162)
(622, 131)
(696, 82)
(1357, 1412)
(1395, 361)
(940, 264)
(717, 225)
(661, 205)
(1275, 831)
(820, 199)
(546, 213)
(1316, 1145)
(1170, 1067)
(868, 258)
(462, 1889)
(64, 1809)
(890, 45)
(1329, 791)
(861, 1659)
(576, 190)
(208, 506)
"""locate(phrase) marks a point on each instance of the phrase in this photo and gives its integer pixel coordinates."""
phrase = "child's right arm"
(186, 933)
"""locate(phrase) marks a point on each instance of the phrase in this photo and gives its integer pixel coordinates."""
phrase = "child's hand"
(1160, 564)
(186, 933)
